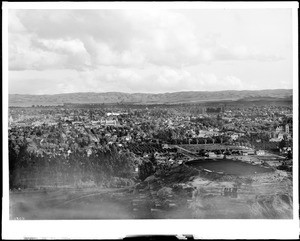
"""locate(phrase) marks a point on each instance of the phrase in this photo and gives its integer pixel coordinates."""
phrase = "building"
(10, 120)
(109, 122)
(280, 136)
(260, 152)
(287, 129)
(234, 136)
(212, 154)
(279, 129)
(250, 152)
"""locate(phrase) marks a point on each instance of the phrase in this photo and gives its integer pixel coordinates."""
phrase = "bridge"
(187, 153)
(194, 148)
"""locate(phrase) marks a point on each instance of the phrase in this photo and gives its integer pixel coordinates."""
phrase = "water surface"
(228, 166)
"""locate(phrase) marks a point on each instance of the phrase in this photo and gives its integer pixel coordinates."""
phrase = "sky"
(148, 50)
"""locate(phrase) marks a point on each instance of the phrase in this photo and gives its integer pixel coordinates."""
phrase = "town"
(122, 145)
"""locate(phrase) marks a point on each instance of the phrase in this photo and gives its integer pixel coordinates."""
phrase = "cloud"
(242, 52)
(14, 23)
(29, 53)
(23, 56)
(73, 46)
(80, 39)
(233, 82)
(157, 80)
(146, 50)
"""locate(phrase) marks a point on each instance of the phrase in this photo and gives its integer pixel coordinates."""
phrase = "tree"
(202, 152)
(153, 159)
(145, 170)
(281, 144)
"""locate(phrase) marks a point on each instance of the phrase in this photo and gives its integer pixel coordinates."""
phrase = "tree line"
(27, 169)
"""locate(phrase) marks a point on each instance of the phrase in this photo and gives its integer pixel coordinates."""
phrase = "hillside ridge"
(148, 98)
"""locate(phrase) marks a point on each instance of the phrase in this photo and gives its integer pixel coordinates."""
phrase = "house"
(202, 135)
(212, 155)
(279, 129)
(89, 152)
(275, 140)
(260, 152)
(251, 152)
(287, 129)
(234, 137)
(286, 149)
(165, 146)
(37, 123)
(110, 122)
(171, 161)
(280, 136)
(52, 123)
(10, 120)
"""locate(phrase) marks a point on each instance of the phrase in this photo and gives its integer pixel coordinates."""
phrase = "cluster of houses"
(144, 125)
(281, 132)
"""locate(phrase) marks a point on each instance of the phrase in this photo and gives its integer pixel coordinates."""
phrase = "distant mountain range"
(145, 98)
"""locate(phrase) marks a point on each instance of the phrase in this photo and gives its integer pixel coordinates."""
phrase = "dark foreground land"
(102, 204)
(184, 193)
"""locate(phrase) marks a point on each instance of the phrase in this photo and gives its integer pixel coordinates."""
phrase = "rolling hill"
(146, 98)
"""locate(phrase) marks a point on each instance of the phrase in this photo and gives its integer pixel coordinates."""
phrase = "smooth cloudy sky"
(153, 51)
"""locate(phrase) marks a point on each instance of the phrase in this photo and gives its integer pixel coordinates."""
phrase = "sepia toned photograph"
(151, 113)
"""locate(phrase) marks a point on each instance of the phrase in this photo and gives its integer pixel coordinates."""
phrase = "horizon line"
(89, 92)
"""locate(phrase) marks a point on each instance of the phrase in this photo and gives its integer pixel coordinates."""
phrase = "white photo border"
(117, 229)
